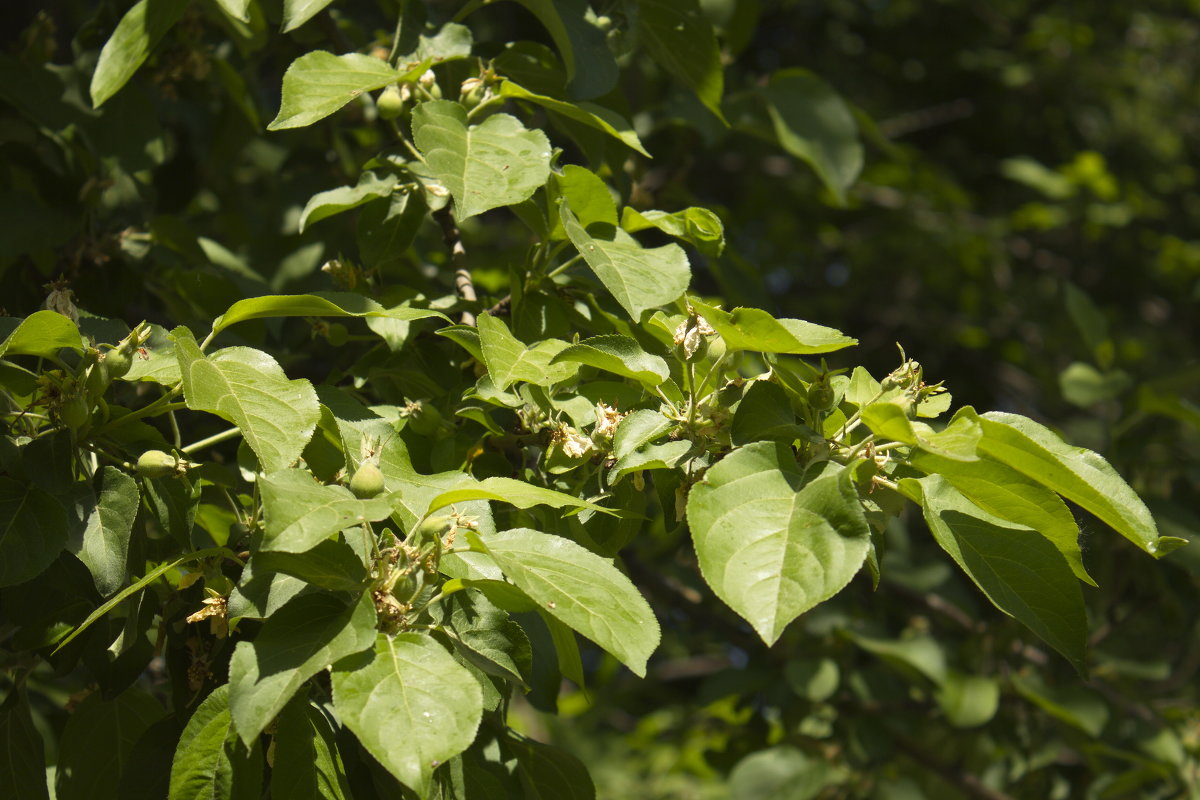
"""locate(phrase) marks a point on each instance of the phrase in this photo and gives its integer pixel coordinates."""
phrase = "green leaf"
(370, 186)
(697, 226)
(411, 705)
(296, 642)
(618, 354)
(160, 364)
(770, 544)
(968, 701)
(681, 39)
(97, 741)
(300, 513)
(307, 763)
(330, 565)
(591, 69)
(452, 41)
(298, 12)
(550, 773)
(386, 229)
(639, 428)
(104, 545)
(22, 751)
(1001, 490)
(1083, 385)
(318, 304)
(508, 360)
(488, 637)
(639, 278)
(248, 388)
(210, 763)
(136, 35)
(33, 531)
(319, 83)
(588, 195)
(496, 163)
(813, 123)
(779, 773)
(752, 329)
(1075, 705)
(667, 455)
(920, 653)
(511, 491)
(236, 9)
(590, 114)
(580, 589)
(43, 334)
(766, 413)
(1076, 473)
(1020, 572)
(958, 441)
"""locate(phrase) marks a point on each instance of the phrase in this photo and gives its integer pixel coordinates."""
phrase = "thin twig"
(458, 256)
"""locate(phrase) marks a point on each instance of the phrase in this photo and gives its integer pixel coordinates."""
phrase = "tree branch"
(458, 257)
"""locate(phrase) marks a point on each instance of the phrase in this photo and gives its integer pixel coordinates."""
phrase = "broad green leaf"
(210, 762)
(452, 41)
(330, 565)
(387, 228)
(43, 334)
(958, 441)
(550, 773)
(136, 35)
(1020, 571)
(770, 545)
(97, 741)
(590, 114)
(236, 9)
(104, 546)
(591, 69)
(319, 83)
(248, 388)
(370, 186)
(160, 364)
(765, 412)
(815, 679)
(639, 278)
(1076, 473)
(508, 360)
(920, 653)
(22, 751)
(580, 589)
(698, 226)
(588, 196)
(1078, 706)
(319, 304)
(782, 772)
(681, 39)
(33, 531)
(667, 455)
(307, 763)
(411, 705)
(1001, 490)
(813, 123)
(300, 513)
(488, 637)
(298, 12)
(1083, 385)
(968, 701)
(496, 163)
(299, 640)
(639, 428)
(618, 354)
(752, 329)
(511, 491)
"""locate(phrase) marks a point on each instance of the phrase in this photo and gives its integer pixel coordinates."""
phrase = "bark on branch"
(458, 257)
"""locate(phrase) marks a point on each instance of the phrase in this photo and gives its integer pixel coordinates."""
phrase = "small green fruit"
(367, 481)
(118, 362)
(157, 464)
(390, 103)
(76, 412)
(820, 394)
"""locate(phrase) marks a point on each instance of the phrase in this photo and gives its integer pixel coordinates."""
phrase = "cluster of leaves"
(388, 557)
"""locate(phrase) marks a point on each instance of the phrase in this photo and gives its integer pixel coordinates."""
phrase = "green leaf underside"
(1001, 490)
(511, 491)
(770, 546)
(237, 9)
(298, 12)
(638, 278)
(319, 83)
(210, 764)
(590, 114)
(696, 225)
(1080, 475)
(104, 546)
(580, 589)
(320, 304)
(1021, 572)
(249, 389)
(813, 123)
(639, 428)
(496, 163)
(307, 635)
(508, 360)
(681, 39)
(300, 513)
(135, 36)
(410, 704)
(550, 772)
(958, 441)
(330, 565)
(618, 354)
(33, 531)
(307, 763)
(752, 329)
(43, 334)
(322, 205)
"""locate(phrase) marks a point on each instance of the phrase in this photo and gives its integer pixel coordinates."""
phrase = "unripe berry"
(367, 481)
(390, 103)
(157, 464)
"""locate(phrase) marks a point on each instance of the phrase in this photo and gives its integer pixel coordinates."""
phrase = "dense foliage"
(326, 433)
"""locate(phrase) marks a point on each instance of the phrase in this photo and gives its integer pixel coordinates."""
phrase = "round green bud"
(390, 103)
(157, 464)
(367, 481)
(820, 394)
